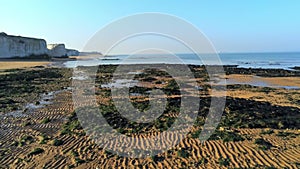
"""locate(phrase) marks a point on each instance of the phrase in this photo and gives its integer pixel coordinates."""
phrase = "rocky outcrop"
(17, 46)
(72, 52)
(59, 50)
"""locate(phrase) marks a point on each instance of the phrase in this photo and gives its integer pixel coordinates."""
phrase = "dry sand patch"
(21, 64)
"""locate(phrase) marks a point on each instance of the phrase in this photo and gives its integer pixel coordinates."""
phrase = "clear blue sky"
(232, 25)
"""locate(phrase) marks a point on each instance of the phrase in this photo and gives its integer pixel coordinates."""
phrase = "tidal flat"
(259, 128)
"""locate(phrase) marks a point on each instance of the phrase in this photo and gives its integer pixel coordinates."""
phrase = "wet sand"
(86, 57)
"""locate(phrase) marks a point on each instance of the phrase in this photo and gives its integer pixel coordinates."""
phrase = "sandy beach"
(21, 64)
(270, 81)
(260, 126)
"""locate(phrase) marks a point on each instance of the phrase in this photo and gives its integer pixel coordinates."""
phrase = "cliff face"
(72, 52)
(17, 46)
(59, 50)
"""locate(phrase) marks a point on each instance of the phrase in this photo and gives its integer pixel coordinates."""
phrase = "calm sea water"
(247, 60)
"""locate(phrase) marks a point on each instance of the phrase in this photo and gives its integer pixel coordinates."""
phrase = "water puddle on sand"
(15, 114)
(79, 75)
(45, 99)
(120, 83)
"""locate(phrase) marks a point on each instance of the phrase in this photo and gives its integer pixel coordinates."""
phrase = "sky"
(231, 25)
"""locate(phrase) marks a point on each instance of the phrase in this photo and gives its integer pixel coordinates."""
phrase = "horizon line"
(254, 52)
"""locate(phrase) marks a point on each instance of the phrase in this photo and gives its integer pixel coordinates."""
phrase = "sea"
(283, 60)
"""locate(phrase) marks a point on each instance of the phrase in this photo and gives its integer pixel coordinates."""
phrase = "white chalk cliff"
(57, 50)
(17, 46)
(72, 52)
